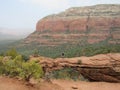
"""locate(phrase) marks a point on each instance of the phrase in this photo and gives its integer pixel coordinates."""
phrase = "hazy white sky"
(22, 15)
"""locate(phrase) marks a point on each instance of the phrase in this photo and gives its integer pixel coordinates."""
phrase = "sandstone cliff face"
(91, 24)
(103, 67)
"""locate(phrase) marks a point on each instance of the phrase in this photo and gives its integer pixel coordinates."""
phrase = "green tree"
(19, 68)
(1, 65)
(1, 54)
(12, 52)
(25, 57)
(31, 70)
(36, 53)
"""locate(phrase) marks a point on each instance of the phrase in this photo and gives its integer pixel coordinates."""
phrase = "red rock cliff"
(91, 24)
(102, 67)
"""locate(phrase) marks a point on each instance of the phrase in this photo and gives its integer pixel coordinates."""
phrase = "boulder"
(102, 67)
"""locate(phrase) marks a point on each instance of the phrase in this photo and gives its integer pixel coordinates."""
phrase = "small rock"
(74, 87)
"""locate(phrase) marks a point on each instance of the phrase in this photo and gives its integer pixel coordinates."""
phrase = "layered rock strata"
(103, 67)
(78, 25)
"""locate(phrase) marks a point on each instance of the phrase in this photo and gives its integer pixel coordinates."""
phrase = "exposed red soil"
(80, 85)
(14, 84)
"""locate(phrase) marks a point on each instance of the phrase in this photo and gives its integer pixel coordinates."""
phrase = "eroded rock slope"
(79, 25)
(102, 67)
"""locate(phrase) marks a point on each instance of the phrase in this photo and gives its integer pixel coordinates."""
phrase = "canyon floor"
(14, 84)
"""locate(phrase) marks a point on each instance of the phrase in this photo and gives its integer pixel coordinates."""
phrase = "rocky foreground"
(103, 67)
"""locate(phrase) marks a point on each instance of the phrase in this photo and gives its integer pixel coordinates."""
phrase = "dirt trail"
(80, 85)
(14, 84)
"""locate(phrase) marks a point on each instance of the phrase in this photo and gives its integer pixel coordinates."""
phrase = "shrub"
(17, 67)
(68, 73)
(79, 61)
(36, 53)
(2, 54)
(12, 52)
(1, 65)
(25, 57)
(31, 69)
(1, 57)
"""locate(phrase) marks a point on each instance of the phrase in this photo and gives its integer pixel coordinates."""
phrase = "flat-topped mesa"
(91, 24)
(79, 18)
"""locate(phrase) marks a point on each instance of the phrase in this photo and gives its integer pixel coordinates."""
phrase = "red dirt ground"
(14, 84)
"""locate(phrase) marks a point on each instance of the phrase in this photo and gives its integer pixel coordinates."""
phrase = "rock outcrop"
(91, 24)
(103, 67)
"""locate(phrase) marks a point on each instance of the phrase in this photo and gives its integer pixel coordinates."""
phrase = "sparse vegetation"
(79, 62)
(68, 73)
(31, 70)
(36, 53)
(12, 52)
(17, 67)
(70, 50)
